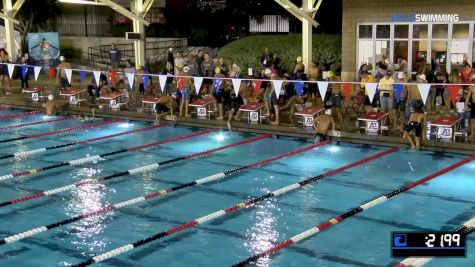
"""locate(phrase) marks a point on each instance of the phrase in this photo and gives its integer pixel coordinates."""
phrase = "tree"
(34, 16)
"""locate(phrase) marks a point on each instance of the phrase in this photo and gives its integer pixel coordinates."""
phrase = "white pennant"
(198, 81)
(322, 88)
(37, 71)
(97, 76)
(424, 89)
(68, 72)
(131, 78)
(162, 79)
(11, 67)
(371, 88)
(277, 87)
(236, 85)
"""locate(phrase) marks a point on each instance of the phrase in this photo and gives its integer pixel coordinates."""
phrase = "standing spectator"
(221, 93)
(402, 64)
(192, 65)
(234, 69)
(184, 85)
(470, 105)
(19, 56)
(313, 86)
(367, 78)
(24, 76)
(208, 66)
(199, 63)
(276, 62)
(170, 58)
(128, 85)
(299, 66)
(386, 96)
(466, 75)
(179, 62)
(169, 72)
(61, 74)
(224, 68)
(115, 56)
(401, 78)
(4, 77)
(265, 59)
(335, 97)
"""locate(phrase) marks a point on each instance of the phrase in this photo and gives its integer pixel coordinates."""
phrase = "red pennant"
(51, 72)
(257, 86)
(454, 92)
(347, 88)
(113, 77)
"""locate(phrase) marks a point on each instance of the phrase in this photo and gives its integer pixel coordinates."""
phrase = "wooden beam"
(146, 7)
(9, 18)
(16, 7)
(124, 11)
(297, 12)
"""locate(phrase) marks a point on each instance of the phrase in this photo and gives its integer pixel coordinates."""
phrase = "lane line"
(17, 115)
(84, 160)
(220, 213)
(136, 200)
(372, 203)
(66, 130)
(34, 123)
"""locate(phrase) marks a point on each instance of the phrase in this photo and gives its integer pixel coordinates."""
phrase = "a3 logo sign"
(201, 112)
(444, 132)
(254, 116)
(35, 97)
(372, 126)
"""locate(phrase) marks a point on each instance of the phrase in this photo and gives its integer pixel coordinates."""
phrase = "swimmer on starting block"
(322, 125)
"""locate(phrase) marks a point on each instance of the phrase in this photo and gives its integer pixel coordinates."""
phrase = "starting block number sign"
(35, 97)
(444, 132)
(372, 126)
(201, 112)
(254, 116)
(308, 120)
(113, 103)
(73, 100)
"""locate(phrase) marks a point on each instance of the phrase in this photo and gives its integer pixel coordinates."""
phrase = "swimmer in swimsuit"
(417, 123)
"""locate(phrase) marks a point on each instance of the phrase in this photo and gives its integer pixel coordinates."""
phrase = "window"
(439, 52)
(440, 31)
(365, 51)
(382, 49)
(401, 49)
(383, 31)
(366, 31)
(419, 31)
(460, 31)
(401, 31)
(419, 55)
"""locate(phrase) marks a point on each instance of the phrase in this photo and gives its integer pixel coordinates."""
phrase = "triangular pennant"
(24, 71)
(277, 87)
(398, 90)
(424, 89)
(217, 84)
(162, 79)
(198, 81)
(236, 85)
(453, 92)
(347, 88)
(113, 77)
(257, 86)
(69, 73)
(130, 78)
(97, 77)
(322, 88)
(11, 67)
(145, 79)
(37, 71)
(371, 88)
(299, 88)
(51, 72)
(82, 76)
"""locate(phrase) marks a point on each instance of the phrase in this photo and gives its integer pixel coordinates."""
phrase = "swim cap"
(422, 77)
(331, 74)
(267, 72)
(217, 70)
(61, 58)
(400, 75)
(186, 69)
(50, 97)
(299, 59)
(328, 111)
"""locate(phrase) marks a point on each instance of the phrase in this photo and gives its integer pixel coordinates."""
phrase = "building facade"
(422, 32)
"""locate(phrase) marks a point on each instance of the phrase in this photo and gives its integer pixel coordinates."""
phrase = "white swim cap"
(328, 111)
(50, 97)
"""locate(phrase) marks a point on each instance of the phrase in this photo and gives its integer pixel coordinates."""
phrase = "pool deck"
(297, 131)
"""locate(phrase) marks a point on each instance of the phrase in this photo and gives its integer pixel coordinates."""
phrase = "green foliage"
(70, 53)
(198, 36)
(246, 52)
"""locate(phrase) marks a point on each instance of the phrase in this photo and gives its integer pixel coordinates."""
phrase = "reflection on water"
(88, 198)
(262, 234)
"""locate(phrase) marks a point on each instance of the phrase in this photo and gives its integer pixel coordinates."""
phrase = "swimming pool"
(363, 240)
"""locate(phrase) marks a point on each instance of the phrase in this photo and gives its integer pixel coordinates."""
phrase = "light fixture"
(82, 2)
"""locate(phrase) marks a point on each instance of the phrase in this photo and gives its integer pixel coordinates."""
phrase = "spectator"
(417, 122)
(179, 61)
(4, 76)
(313, 74)
(272, 98)
(128, 84)
(169, 72)
(170, 58)
(276, 62)
(367, 78)
(335, 97)
(141, 71)
(265, 59)
(466, 75)
(115, 56)
(224, 68)
(208, 66)
(299, 67)
(401, 78)
(470, 106)
(402, 65)
(234, 69)
(199, 63)
(381, 70)
(193, 65)
(220, 92)
(24, 76)
(19, 56)
(185, 85)
(386, 96)
(61, 74)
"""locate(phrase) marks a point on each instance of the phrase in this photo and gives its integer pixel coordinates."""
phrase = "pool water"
(363, 240)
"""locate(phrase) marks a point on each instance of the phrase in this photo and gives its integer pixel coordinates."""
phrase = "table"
(202, 107)
(445, 127)
(150, 100)
(254, 111)
(113, 98)
(375, 121)
(73, 94)
(308, 115)
(36, 92)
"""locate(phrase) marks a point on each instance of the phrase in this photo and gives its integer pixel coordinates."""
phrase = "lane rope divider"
(34, 123)
(372, 203)
(466, 229)
(217, 214)
(17, 115)
(136, 200)
(66, 130)
(81, 161)
(27, 153)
